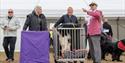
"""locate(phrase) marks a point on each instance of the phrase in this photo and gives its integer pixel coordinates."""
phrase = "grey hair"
(69, 7)
(37, 7)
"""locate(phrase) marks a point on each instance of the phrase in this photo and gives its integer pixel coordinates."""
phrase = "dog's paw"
(119, 61)
(113, 59)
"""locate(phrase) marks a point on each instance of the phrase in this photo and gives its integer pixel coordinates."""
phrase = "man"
(94, 31)
(67, 18)
(65, 22)
(10, 24)
(36, 21)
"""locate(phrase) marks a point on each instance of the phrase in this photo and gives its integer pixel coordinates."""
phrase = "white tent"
(55, 8)
(61, 4)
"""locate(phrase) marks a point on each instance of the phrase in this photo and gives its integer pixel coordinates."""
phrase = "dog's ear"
(123, 41)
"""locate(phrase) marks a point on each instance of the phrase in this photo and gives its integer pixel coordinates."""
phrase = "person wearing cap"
(94, 31)
(35, 21)
(10, 25)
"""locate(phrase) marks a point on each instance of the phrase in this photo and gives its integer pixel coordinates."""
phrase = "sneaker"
(10, 60)
(7, 59)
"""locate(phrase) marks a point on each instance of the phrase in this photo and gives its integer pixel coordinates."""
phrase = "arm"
(110, 31)
(3, 25)
(95, 14)
(45, 23)
(59, 21)
(26, 23)
(76, 20)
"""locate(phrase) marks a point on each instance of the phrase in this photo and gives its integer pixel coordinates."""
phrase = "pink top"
(94, 27)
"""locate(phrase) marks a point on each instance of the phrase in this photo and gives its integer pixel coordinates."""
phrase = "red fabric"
(94, 27)
(121, 45)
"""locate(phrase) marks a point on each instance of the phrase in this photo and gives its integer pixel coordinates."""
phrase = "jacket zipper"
(8, 25)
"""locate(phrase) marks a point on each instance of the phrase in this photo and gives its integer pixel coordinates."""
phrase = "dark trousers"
(9, 46)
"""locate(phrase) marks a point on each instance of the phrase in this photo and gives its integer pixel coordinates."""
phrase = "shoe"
(10, 60)
(7, 59)
(97, 62)
(81, 62)
(113, 59)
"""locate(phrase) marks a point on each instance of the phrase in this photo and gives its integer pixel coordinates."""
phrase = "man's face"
(39, 11)
(70, 11)
(10, 13)
(93, 7)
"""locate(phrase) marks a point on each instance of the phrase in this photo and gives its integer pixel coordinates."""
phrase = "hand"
(8, 29)
(84, 10)
(50, 29)
(5, 28)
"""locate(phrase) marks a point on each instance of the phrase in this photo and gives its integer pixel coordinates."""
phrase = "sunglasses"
(10, 12)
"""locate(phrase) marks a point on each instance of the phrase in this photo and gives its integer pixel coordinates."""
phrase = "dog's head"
(123, 41)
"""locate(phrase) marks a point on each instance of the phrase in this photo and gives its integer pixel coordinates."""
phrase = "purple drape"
(34, 47)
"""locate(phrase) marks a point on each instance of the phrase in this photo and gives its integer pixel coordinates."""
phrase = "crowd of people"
(36, 21)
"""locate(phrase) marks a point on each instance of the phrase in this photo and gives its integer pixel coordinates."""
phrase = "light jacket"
(13, 24)
(94, 26)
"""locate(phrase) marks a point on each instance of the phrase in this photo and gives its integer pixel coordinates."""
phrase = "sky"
(61, 4)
